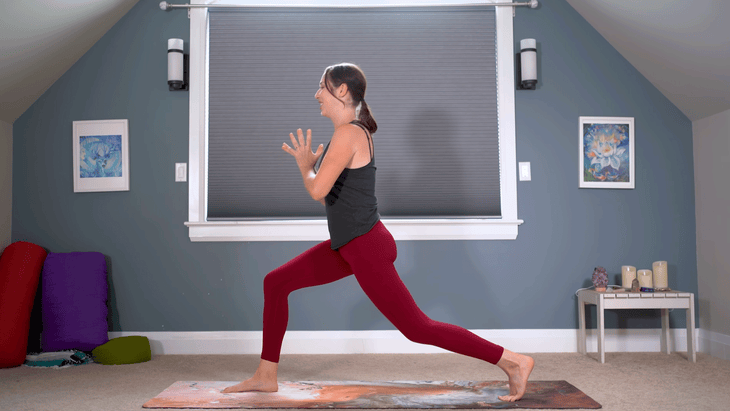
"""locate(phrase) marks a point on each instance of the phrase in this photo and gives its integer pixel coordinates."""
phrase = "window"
(207, 171)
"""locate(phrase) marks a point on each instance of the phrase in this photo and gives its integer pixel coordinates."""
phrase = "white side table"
(623, 300)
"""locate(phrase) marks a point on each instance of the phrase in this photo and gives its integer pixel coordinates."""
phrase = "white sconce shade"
(528, 64)
(176, 67)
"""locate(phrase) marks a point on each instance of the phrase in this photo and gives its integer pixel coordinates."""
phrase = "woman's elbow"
(318, 197)
(318, 191)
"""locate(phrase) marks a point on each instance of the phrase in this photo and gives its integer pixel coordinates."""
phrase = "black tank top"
(352, 209)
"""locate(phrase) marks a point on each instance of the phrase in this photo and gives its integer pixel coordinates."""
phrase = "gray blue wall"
(6, 182)
(160, 281)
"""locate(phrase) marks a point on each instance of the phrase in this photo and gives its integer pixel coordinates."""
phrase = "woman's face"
(327, 102)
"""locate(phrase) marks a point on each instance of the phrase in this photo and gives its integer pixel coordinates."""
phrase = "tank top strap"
(369, 137)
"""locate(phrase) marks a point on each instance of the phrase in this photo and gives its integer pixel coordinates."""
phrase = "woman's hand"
(302, 150)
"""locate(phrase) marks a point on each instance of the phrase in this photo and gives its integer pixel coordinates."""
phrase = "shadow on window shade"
(431, 87)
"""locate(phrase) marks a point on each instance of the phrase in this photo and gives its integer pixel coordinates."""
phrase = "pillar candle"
(645, 279)
(659, 269)
(628, 273)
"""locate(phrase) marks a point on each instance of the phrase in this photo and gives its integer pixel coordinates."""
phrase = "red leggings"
(370, 257)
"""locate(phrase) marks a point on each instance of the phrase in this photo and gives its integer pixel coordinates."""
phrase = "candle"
(628, 273)
(660, 274)
(644, 277)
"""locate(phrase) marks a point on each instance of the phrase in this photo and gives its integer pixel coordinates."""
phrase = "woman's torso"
(351, 204)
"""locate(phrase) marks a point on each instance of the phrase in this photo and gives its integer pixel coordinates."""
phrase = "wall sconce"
(177, 65)
(527, 65)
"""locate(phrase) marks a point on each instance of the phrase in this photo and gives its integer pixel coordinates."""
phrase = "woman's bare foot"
(264, 380)
(518, 368)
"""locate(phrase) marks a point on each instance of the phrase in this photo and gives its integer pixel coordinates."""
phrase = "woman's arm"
(322, 201)
(339, 155)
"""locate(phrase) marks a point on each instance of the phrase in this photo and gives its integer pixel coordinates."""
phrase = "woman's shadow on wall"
(421, 176)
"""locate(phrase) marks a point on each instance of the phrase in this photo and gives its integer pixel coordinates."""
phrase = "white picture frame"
(101, 155)
(606, 152)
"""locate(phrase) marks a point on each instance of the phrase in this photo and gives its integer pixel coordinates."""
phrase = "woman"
(359, 242)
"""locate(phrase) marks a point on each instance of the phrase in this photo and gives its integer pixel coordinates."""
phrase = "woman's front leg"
(316, 266)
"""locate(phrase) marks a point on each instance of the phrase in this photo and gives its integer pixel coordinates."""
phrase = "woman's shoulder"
(348, 132)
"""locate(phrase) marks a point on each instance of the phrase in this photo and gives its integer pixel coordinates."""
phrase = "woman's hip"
(377, 244)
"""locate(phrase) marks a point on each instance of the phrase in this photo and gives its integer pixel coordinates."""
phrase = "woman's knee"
(274, 281)
(419, 336)
(418, 331)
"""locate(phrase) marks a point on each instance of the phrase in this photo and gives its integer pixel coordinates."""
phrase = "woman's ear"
(342, 90)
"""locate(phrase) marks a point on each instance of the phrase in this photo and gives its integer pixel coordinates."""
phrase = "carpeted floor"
(627, 381)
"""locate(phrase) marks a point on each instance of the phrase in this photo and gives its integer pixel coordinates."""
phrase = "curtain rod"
(167, 6)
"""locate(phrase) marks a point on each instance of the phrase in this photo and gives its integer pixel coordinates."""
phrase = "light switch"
(525, 174)
(181, 172)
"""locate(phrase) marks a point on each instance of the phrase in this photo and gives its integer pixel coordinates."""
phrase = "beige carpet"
(627, 381)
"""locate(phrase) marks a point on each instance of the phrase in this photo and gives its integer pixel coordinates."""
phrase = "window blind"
(431, 76)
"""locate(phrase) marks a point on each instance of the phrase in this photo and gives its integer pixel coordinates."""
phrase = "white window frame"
(504, 228)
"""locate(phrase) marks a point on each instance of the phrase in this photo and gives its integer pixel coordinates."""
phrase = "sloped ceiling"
(41, 39)
(681, 46)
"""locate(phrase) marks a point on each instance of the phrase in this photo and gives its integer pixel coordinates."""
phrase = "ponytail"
(366, 118)
(353, 76)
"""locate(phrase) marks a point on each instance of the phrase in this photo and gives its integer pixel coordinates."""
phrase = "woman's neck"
(343, 117)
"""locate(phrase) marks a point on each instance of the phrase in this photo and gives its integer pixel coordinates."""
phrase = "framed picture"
(607, 152)
(101, 155)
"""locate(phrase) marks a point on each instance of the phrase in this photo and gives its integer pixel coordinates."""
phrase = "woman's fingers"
(299, 136)
(293, 141)
(304, 144)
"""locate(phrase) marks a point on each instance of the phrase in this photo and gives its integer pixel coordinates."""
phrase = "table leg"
(582, 329)
(691, 351)
(601, 331)
(665, 330)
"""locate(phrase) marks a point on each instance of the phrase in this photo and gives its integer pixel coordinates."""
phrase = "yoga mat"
(373, 394)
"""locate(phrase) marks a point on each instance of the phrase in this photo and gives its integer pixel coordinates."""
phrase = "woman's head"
(353, 77)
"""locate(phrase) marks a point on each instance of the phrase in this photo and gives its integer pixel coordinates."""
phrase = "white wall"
(712, 203)
(6, 182)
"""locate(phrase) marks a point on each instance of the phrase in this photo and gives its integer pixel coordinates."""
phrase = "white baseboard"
(715, 344)
(393, 342)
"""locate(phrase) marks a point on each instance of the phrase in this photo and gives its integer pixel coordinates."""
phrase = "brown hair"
(353, 76)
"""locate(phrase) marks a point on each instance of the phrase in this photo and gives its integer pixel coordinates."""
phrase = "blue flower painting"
(606, 156)
(100, 156)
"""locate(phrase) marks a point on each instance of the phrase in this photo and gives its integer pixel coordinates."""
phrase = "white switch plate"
(525, 174)
(181, 172)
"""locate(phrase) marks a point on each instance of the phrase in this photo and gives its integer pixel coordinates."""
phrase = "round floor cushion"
(123, 350)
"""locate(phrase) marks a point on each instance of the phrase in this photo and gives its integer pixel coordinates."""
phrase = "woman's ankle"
(508, 360)
(267, 369)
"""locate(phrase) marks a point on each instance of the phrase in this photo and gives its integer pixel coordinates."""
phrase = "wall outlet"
(525, 174)
(181, 172)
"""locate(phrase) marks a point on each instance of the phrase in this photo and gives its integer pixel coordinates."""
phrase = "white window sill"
(316, 230)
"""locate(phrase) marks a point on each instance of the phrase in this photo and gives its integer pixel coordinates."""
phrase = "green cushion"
(123, 350)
